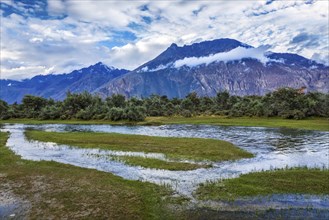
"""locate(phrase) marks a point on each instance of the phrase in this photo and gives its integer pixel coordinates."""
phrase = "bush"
(286, 103)
(169, 112)
(64, 117)
(99, 116)
(84, 114)
(4, 110)
(186, 113)
(292, 114)
(222, 112)
(135, 113)
(116, 114)
(49, 112)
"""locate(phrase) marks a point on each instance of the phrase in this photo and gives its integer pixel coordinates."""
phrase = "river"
(273, 148)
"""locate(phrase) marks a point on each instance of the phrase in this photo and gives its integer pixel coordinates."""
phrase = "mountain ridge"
(177, 52)
(57, 85)
(206, 67)
(242, 76)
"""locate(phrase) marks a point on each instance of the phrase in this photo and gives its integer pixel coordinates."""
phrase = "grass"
(59, 191)
(177, 148)
(283, 181)
(309, 124)
(158, 164)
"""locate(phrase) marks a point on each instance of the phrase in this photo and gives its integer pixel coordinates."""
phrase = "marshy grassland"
(283, 181)
(196, 149)
(321, 124)
(308, 124)
(60, 191)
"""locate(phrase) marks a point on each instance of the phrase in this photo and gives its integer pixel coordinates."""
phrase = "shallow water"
(273, 148)
(12, 207)
(275, 201)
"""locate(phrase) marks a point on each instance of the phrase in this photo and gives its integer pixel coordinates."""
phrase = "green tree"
(206, 105)
(222, 100)
(154, 106)
(50, 112)
(187, 104)
(133, 113)
(4, 114)
(32, 106)
(116, 114)
(75, 102)
(116, 100)
(194, 99)
(287, 102)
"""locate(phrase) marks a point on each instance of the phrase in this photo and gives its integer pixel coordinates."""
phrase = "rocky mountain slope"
(212, 66)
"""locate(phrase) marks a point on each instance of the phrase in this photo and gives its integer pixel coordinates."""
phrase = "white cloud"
(135, 54)
(76, 41)
(323, 58)
(56, 7)
(115, 14)
(235, 54)
(28, 71)
(160, 67)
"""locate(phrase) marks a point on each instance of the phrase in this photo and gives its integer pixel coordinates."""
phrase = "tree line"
(285, 102)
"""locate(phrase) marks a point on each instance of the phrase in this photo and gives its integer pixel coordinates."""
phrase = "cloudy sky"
(58, 36)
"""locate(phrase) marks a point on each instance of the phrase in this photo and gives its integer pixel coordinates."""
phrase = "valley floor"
(59, 191)
(39, 189)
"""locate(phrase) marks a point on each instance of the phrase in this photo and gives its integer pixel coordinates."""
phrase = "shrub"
(50, 112)
(186, 114)
(116, 114)
(135, 113)
(292, 114)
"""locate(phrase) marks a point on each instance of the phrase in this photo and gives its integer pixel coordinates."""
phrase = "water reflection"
(274, 148)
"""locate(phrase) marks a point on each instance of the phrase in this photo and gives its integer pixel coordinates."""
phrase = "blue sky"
(58, 36)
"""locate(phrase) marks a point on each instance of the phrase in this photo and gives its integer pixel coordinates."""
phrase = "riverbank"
(321, 124)
(58, 191)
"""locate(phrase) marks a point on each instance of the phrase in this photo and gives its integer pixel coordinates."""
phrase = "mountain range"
(56, 86)
(207, 67)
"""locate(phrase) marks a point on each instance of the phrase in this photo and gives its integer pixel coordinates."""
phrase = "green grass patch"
(283, 181)
(309, 124)
(59, 191)
(177, 148)
(158, 164)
